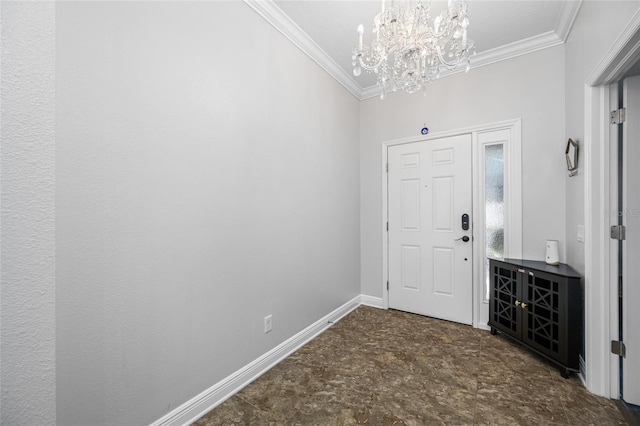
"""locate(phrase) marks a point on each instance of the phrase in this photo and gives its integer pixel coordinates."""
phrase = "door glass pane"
(494, 206)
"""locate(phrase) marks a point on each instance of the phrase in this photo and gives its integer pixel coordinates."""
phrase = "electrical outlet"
(268, 323)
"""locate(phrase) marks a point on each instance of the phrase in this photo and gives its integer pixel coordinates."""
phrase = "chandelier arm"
(369, 67)
(451, 65)
(447, 65)
(410, 48)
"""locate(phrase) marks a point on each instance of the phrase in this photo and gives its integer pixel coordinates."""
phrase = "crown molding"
(488, 57)
(517, 48)
(281, 22)
(567, 17)
(370, 92)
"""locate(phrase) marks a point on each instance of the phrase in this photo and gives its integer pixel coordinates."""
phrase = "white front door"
(430, 252)
(630, 215)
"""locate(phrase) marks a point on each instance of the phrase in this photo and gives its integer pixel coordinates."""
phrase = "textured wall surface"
(203, 182)
(27, 218)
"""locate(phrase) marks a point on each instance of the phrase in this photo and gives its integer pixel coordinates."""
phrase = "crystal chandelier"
(409, 48)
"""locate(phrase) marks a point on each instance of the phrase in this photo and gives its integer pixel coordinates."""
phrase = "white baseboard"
(483, 326)
(201, 404)
(375, 302)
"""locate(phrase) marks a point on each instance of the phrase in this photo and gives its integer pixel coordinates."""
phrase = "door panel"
(443, 275)
(430, 266)
(631, 245)
(411, 205)
(443, 204)
(411, 268)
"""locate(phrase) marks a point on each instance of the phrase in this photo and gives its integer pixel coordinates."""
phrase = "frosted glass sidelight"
(494, 206)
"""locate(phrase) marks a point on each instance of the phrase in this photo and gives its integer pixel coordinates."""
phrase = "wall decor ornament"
(571, 154)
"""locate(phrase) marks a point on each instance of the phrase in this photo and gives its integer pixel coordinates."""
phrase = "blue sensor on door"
(424, 131)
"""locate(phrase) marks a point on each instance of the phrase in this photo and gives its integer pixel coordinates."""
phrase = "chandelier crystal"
(409, 48)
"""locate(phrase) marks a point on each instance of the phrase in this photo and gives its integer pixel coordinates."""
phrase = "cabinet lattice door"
(503, 298)
(542, 323)
(539, 305)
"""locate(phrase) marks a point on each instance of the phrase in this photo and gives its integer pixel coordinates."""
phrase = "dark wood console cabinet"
(539, 305)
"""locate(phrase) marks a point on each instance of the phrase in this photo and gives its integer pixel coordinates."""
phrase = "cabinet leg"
(565, 373)
(493, 331)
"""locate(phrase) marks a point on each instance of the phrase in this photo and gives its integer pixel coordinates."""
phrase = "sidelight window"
(493, 206)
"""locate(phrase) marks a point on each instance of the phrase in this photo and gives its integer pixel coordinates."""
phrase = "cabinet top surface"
(561, 269)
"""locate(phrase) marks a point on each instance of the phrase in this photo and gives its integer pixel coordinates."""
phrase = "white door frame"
(601, 372)
(513, 198)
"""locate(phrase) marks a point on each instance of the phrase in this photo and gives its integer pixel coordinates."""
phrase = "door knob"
(465, 239)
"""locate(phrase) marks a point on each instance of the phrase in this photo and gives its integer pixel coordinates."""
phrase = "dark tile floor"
(385, 367)
(631, 412)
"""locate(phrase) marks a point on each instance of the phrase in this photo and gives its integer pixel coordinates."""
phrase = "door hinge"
(618, 348)
(618, 232)
(387, 226)
(618, 116)
(387, 285)
(387, 167)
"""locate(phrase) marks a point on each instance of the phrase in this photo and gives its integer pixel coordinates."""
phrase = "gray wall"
(530, 87)
(193, 196)
(185, 196)
(595, 29)
(27, 244)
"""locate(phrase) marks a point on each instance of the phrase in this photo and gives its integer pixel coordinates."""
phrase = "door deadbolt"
(465, 222)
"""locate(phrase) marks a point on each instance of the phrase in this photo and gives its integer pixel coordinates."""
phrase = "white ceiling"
(501, 29)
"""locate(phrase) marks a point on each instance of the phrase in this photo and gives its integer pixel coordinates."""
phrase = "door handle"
(465, 239)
